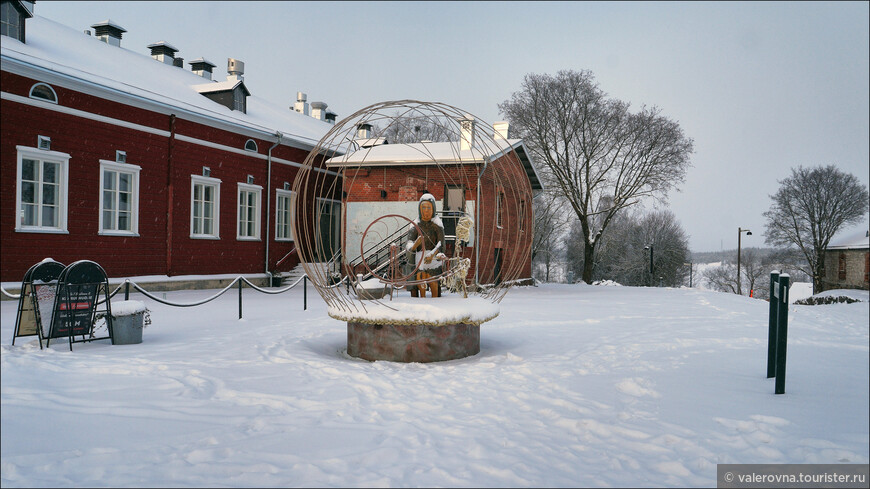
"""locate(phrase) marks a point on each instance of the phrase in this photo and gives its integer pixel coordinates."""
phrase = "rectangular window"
(249, 212)
(866, 268)
(119, 198)
(283, 220)
(842, 267)
(42, 190)
(499, 205)
(522, 215)
(204, 207)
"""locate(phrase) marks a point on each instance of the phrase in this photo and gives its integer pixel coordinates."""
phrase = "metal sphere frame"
(319, 200)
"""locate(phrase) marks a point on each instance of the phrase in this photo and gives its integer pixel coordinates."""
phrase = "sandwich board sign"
(77, 302)
(36, 300)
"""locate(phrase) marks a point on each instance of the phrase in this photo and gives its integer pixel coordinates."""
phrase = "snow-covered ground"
(575, 385)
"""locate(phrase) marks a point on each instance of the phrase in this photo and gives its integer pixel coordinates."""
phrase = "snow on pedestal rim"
(437, 311)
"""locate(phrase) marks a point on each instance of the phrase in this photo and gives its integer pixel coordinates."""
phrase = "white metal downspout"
(269, 200)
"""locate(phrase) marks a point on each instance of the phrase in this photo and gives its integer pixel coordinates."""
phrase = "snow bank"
(861, 295)
(574, 386)
(430, 311)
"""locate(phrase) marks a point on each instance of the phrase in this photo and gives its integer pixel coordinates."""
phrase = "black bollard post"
(305, 292)
(771, 325)
(127, 289)
(781, 334)
(240, 299)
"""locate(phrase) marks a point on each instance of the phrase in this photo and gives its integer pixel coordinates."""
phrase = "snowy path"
(574, 386)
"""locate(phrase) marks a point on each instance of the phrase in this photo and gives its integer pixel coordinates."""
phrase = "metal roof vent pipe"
(301, 104)
(108, 32)
(163, 51)
(318, 110)
(363, 130)
(235, 69)
(202, 67)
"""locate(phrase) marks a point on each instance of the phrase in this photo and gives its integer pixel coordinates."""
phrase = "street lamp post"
(651, 275)
(740, 232)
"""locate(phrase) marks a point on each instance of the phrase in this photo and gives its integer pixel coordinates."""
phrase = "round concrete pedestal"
(412, 342)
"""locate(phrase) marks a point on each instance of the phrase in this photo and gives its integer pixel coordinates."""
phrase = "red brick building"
(138, 164)
(493, 171)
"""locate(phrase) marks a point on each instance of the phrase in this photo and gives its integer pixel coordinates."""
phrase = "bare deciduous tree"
(406, 130)
(755, 267)
(596, 149)
(550, 223)
(624, 255)
(809, 208)
(722, 278)
(754, 272)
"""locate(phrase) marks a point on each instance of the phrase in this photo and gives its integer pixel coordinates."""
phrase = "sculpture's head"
(427, 207)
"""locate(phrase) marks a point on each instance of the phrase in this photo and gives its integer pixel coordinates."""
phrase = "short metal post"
(127, 289)
(305, 292)
(771, 324)
(782, 333)
(240, 299)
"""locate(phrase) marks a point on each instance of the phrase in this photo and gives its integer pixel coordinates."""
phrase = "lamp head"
(749, 233)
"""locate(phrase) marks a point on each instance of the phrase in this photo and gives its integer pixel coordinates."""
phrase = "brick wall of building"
(506, 176)
(163, 246)
(847, 269)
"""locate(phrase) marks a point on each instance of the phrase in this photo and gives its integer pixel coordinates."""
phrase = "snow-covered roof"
(442, 153)
(203, 61)
(162, 44)
(856, 241)
(225, 85)
(57, 54)
(108, 23)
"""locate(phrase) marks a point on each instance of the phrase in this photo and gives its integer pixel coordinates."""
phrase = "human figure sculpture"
(432, 238)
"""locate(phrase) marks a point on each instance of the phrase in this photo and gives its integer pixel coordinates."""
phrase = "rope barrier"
(10, 295)
(168, 303)
(228, 287)
(237, 280)
(271, 291)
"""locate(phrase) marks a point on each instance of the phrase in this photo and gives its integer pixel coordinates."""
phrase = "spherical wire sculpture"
(355, 200)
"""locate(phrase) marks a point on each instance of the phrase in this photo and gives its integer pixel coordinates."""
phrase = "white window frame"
(213, 182)
(279, 194)
(133, 170)
(244, 188)
(43, 156)
(50, 89)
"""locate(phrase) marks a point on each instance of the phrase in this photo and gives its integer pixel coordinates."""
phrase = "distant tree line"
(755, 267)
(599, 161)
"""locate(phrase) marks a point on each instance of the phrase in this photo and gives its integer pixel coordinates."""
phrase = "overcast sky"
(759, 87)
